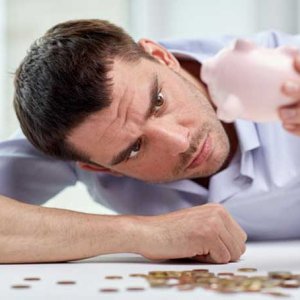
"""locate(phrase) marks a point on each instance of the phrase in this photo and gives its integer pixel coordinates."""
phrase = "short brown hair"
(64, 78)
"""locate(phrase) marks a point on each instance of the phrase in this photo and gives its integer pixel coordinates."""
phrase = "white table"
(90, 275)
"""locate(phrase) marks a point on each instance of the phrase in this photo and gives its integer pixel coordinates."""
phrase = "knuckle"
(212, 227)
(220, 210)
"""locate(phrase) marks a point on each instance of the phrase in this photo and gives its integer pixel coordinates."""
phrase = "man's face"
(162, 118)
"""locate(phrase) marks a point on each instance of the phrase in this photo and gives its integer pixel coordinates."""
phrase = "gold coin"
(276, 294)
(184, 279)
(290, 284)
(113, 277)
(225, 274)
(137, 275)
(66, 282)
(247, 270)
(108, 290)
(173, 274)
(32, 278)
(281, 275)
(135, 288)
(200, 270)
(157, 282)
(20, 286)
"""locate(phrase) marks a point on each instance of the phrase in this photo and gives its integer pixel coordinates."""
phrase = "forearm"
(38, 234)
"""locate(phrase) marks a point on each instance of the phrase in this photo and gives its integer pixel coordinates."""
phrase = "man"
(135, 123)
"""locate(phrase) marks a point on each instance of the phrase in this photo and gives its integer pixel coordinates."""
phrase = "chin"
(213, 165)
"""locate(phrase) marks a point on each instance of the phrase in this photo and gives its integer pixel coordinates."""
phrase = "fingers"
(230, 235)
(226, 246)
(290, 114)
(291, 88)
(233, 243)
(233, 236)
(218, 253)
(297, 63)
(234, 239)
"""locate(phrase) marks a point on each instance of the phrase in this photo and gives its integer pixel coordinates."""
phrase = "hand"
(290, 114)
(206, 233)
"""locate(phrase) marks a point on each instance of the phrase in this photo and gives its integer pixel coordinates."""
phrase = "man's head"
(87, 92)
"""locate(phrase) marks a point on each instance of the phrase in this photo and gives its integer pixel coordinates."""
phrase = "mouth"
(202, 154)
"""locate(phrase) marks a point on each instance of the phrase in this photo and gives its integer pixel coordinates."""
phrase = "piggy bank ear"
(206, 70)
(243, 45)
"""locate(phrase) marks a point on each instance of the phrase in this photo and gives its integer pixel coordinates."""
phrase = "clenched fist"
(206, 233)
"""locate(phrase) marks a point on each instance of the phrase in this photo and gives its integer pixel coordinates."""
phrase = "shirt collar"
(248, 142)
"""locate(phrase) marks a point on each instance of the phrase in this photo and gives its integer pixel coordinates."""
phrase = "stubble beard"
(214, 127)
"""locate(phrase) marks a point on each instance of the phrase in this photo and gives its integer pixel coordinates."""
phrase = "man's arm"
(31, 233)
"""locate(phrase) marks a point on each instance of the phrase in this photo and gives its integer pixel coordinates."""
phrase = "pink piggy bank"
(245, 81)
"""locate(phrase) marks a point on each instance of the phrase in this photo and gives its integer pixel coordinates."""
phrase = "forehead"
(100, 134)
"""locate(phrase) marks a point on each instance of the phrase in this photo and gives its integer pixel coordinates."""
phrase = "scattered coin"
(135, 289)
(225, 274)
(290, 284)
(66, 282)
(32, 278)
(20, 286)
(113, 277)
(276, 294)
(137, 275)
(200, 270)
(247, 270)
(281, 275)
(109, 290)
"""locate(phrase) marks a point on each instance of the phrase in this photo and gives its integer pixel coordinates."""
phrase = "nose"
(168, 135)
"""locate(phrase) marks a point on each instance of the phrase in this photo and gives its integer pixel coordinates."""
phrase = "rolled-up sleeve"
(28, 175)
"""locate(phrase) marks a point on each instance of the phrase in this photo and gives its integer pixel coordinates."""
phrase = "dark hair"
(64, 78)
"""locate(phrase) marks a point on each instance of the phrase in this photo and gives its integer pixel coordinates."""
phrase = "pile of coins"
(274, 283)
(224, 282)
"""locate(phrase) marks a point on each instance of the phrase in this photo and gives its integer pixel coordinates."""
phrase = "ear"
(159, 53)
(96, 168)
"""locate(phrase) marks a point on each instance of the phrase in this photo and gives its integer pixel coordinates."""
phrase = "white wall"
(28, 20)
(160, 19)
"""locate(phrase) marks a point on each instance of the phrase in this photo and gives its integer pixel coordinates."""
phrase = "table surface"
(90, 275)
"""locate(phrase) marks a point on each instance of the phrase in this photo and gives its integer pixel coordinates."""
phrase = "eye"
(160, 100)
(135, 149)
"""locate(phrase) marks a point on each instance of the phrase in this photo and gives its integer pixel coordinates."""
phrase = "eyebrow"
(122, 155)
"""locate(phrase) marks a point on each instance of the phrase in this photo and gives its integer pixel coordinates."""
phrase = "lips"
(203, 153)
